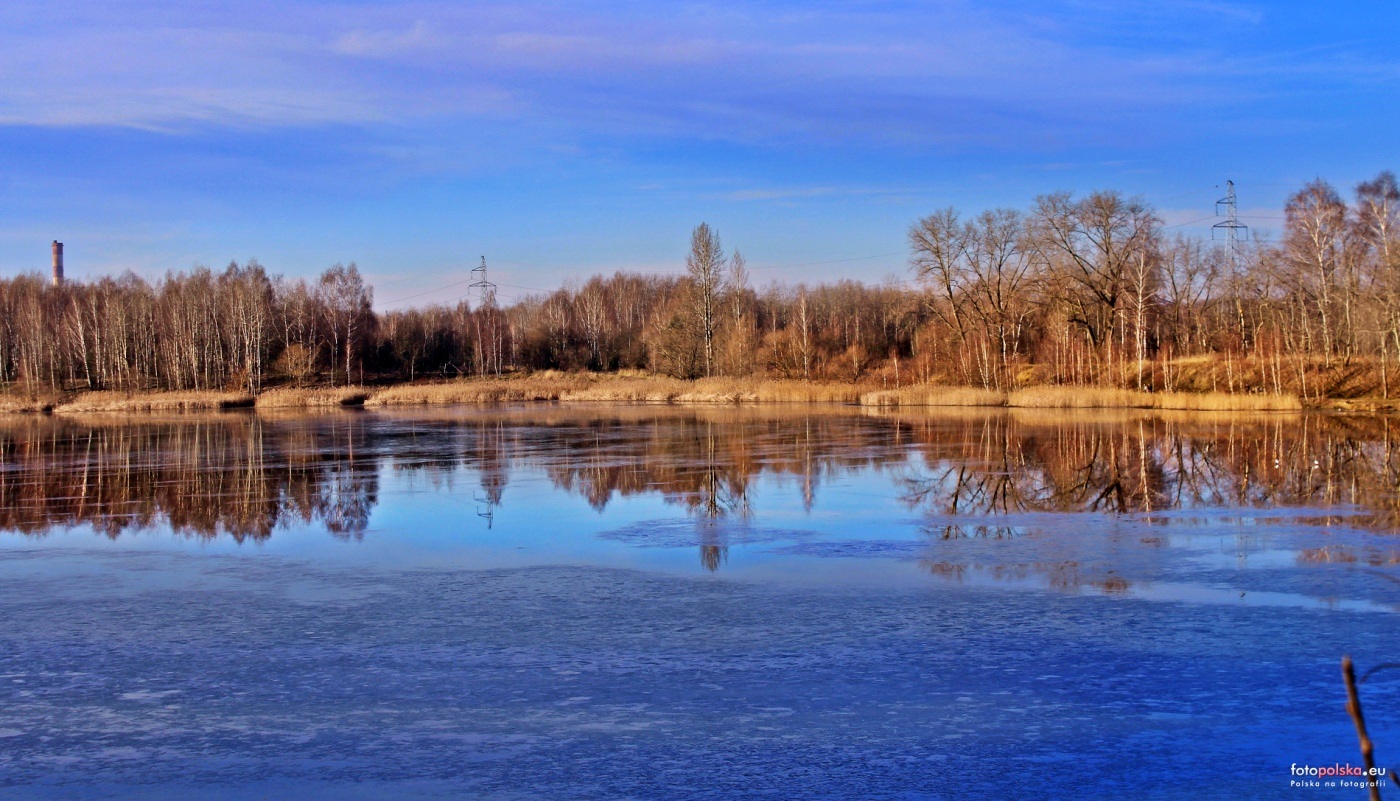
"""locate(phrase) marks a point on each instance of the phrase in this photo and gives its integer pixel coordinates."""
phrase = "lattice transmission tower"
(485, 289)
(1231, 227)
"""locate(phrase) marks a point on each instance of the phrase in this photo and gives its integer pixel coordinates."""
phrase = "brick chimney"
(57, 263)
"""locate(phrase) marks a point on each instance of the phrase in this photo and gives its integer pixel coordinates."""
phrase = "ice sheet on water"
(600, 683)
(860, 548)
(686, 532)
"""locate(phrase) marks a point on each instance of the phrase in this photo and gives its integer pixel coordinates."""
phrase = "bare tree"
(1315, 247)
(1378, 226)
(348, 308)
(705, 266)
(939, 257)
(1094, 243)
(984, 277)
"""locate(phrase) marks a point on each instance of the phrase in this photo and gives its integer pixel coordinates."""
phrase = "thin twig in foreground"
(1354, 709)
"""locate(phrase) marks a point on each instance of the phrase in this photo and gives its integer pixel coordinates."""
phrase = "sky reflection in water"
(1282, 509)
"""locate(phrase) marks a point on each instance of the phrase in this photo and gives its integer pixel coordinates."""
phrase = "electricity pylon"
(1231, 226)
(482, 285)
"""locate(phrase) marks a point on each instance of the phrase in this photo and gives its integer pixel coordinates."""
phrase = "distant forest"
(1090, 290)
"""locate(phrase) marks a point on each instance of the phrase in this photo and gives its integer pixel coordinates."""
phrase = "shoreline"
(632, 389)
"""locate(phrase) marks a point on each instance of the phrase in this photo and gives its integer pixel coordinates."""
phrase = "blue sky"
(560, 139)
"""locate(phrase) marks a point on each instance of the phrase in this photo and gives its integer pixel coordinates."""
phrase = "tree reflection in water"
(1069, 576)
(233, 475)
(707, 461)
(969, 474)
(1038, 462)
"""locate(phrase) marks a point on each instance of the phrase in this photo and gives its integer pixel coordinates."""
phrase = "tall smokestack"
(57, 263)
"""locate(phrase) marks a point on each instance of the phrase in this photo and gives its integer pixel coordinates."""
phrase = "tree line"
(1090, 290)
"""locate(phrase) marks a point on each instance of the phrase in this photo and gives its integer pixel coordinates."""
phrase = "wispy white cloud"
(416, 38)
(951, 73)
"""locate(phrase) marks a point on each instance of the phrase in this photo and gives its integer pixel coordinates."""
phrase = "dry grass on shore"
(714, 390)
(1060, 397)
(473, 390)
(1107, 398)
(18, 405)
(639, 388)
(615, 389)
(1079, 398)
(154, 402)
(1224, 402)
(646, 389)
(292, 398)
(933, 396)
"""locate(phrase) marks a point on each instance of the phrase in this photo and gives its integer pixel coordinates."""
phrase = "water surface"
(602, 602)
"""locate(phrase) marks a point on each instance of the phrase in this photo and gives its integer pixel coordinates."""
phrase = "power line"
(477, 283)
(531, 288)
(827, 261)
(421, 294)
(509, 297)
(400, 279)
(752, 266)
(479, 277)
(1191, 222)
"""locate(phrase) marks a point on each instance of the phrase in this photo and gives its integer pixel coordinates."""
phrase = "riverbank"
(615, 388)
(1082, 398)
(85, 402)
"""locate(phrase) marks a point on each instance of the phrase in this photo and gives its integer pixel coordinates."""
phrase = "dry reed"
(16, 405)
(154, 402)
(714, 391)
(1060, 397)
(1108, 398)
(1224, 402)
(934, 396)
(484, 390)
(637, 388)
(592, 388)
(290, 398)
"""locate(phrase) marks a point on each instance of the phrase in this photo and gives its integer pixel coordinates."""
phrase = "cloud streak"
(949, 74)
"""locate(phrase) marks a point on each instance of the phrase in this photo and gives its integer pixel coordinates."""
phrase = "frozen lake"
(657, 602)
